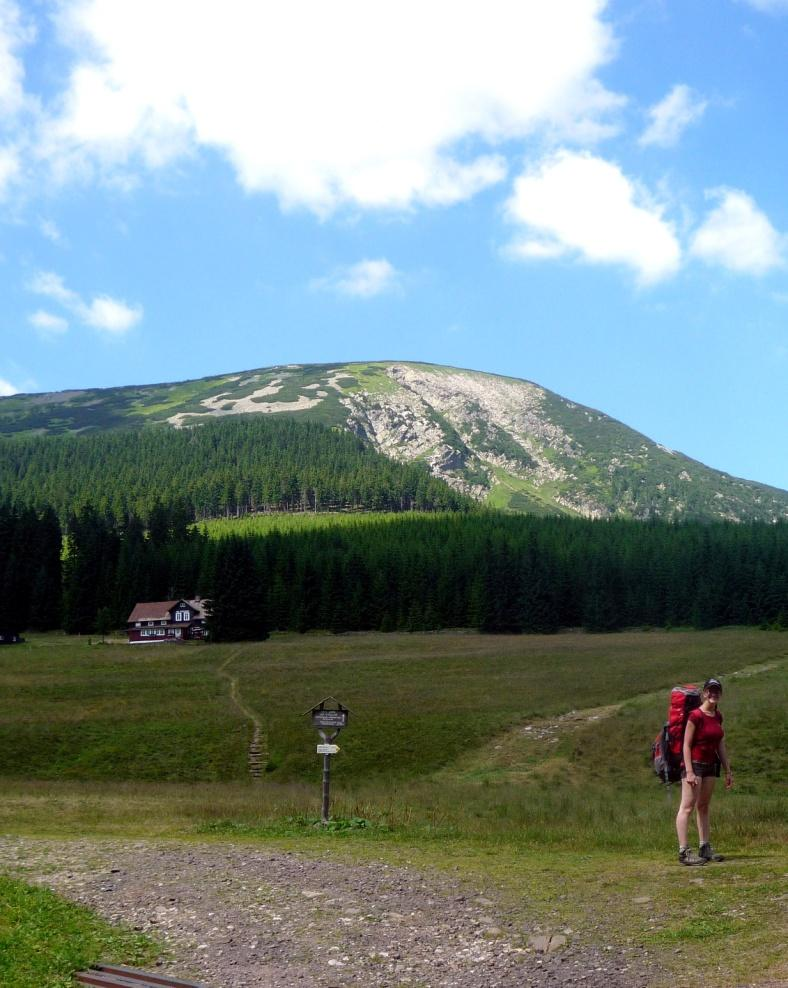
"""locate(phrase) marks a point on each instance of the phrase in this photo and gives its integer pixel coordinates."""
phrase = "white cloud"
(769, 6)
(48, 324)
(385, 104)
(538, 250)
(6, 388)
(10, 167)
(51, 231)
(107, 314)
(52, 285)
(671, 117)
(576, 203)
(362, 280)
(738, 236)
(13, 35)
(111, 315)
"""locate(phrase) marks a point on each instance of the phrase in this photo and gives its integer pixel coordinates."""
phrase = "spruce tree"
(237, 600)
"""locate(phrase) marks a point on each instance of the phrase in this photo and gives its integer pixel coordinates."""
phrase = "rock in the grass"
(557, 941)
(642, 900)
(539, 942)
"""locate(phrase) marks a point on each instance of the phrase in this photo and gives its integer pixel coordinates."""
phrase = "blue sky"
(587, 195)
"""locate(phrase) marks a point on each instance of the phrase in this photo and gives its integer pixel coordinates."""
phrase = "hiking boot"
(707, 852)
(688, 857)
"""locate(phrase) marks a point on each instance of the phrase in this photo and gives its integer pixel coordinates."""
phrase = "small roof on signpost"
(321, 705)
(328, 716)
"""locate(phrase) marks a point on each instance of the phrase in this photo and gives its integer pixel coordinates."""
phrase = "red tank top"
(707, 737)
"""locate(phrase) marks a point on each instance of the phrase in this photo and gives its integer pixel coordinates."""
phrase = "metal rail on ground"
(113, 976)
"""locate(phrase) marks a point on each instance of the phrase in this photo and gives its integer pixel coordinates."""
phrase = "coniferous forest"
(226, 467)
(498, 573)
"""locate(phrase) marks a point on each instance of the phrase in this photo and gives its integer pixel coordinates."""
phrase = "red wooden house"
(167, 621)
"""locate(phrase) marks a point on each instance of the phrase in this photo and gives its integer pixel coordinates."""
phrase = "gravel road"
(237, 916)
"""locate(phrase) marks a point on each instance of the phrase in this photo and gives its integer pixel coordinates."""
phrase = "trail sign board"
(329, 721)
(329, 718)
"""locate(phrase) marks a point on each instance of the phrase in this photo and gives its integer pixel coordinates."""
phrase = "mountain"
(507, 441)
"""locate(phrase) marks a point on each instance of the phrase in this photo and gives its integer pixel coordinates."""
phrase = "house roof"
(160, 610)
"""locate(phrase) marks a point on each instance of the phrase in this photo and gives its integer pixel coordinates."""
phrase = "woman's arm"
(689, 734)
(722, 751)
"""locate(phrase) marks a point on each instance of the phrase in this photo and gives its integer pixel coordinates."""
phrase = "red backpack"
(666, 751)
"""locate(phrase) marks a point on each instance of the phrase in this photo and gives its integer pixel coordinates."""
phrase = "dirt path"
(527, 749)
(257, 754)
(237, 917)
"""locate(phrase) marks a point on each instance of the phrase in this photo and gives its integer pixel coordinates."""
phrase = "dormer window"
(182, 615)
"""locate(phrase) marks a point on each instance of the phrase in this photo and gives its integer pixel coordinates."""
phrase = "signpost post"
(329, 721)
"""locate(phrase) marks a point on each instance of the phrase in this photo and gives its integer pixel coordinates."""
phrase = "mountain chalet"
(167, 621)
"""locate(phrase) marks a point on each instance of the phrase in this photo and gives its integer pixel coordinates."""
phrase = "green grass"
(286, 522)
(371, 377)
(73, 710)
(44, 939)
(517, 494)
(566, 818)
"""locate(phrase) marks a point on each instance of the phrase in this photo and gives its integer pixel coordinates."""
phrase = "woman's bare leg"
(689, 795)
(706, 790)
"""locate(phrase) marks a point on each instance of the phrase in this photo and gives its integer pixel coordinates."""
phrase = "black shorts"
(704, 770)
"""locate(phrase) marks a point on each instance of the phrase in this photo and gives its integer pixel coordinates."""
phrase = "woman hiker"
(704, 750)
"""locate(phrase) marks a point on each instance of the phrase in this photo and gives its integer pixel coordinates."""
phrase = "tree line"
(30, 570)
(486, 570)
(228, 467)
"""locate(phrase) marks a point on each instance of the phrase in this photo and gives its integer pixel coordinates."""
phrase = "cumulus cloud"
(386, 104)
(111, 315)
(104, 313)
(577, 204)
(671, 117)
(48, 324)
(738, 235)
(362, 280)
(6, 388)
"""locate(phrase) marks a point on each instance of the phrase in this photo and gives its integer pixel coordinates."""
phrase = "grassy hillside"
(516, 761)
(106, 713)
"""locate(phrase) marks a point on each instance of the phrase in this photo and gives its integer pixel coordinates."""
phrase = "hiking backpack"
(666, 751)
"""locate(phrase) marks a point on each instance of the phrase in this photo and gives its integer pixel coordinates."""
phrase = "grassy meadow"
(519, 761)
(286, 522)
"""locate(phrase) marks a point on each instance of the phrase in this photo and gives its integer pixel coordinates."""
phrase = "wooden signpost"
(328, 721)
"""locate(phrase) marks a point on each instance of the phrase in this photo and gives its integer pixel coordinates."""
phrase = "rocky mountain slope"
(503, 440)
